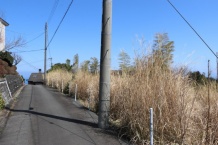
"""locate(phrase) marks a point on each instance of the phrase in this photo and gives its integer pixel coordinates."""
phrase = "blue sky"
(132, 20)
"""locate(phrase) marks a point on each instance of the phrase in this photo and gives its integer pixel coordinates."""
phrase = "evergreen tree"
(94, 65)
(85, 66)
(75, 65)
(124, 61)
(163, 48)
(68, 66)
(198, 77)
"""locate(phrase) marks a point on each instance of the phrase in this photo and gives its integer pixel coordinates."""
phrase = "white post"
(8, 88)
(75, 91)
(62, 86)
(151, 126)
(89, 100)
(69, 85)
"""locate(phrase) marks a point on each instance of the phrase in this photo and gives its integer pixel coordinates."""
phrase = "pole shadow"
(94, 125)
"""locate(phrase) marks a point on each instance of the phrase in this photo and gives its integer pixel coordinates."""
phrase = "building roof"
(4, 22)
(36, 77)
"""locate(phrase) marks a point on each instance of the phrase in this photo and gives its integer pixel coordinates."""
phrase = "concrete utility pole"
(216, 70)
(104, 92)
(45, 59)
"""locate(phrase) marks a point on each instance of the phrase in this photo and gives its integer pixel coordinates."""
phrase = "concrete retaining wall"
(8, 86)
(14, 82)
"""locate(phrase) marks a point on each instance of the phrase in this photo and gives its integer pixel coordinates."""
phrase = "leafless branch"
(16, 42)
(17, 58)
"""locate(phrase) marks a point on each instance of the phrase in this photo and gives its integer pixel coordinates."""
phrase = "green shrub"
(66, 89)
(2, 102)
(6, 56)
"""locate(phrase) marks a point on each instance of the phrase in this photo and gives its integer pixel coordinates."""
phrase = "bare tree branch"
(17, 58)
(16, 42)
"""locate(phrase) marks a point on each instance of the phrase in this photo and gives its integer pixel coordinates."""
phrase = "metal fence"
(8, 86)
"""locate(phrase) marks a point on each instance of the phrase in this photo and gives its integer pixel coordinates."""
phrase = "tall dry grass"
(183, 112)
(205, 116)
(87, 88)
(59, 79)
(152, 85)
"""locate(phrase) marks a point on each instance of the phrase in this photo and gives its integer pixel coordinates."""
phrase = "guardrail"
(8, 86)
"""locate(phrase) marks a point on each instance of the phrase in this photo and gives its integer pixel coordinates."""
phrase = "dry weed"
(183, 114)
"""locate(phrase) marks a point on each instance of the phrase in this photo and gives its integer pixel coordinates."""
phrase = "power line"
(22, 44)
(37, 61)
(33, 39)
(192, 28)
(28, 51)
(53, 10)
(29, 64)
(60, 23)
(22, 33)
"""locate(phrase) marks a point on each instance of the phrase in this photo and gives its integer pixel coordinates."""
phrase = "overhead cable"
(22, 44)
(34, 38)
(192, 28)
(53, 10)
(60, 23)
(28, 50)
(29, 64)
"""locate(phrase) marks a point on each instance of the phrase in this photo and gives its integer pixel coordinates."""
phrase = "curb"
(4, 114)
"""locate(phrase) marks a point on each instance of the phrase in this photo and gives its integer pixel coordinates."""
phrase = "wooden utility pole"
(46, 37)
(104, 89)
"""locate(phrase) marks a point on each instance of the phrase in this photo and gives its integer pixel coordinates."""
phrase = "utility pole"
(216, 70)
(104, 92)
(207, 139)
(46, 36)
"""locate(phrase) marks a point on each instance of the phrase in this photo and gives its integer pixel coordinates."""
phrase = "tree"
(68, 62)
(57, 66)
(7, 57)
(17, 58)
(124, 61)
(198, 77)
(11, 59)
(85, 66)
(68, 66)
(16, 42)
(163, 48)
(94, 65)
(75, 65)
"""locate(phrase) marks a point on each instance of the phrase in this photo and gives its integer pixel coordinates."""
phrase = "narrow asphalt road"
(43, 116)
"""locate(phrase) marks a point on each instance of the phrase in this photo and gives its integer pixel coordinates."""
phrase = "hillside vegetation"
(185, 111)
(6, 65)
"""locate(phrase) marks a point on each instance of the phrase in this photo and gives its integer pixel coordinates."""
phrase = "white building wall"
(2, 37)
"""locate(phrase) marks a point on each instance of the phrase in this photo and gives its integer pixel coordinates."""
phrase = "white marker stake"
(151, 126)
(75, 91)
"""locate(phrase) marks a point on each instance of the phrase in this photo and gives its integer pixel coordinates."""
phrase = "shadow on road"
(94, 125)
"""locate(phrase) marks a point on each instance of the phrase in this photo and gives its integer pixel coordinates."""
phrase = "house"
(3, 24)
(36, 78)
